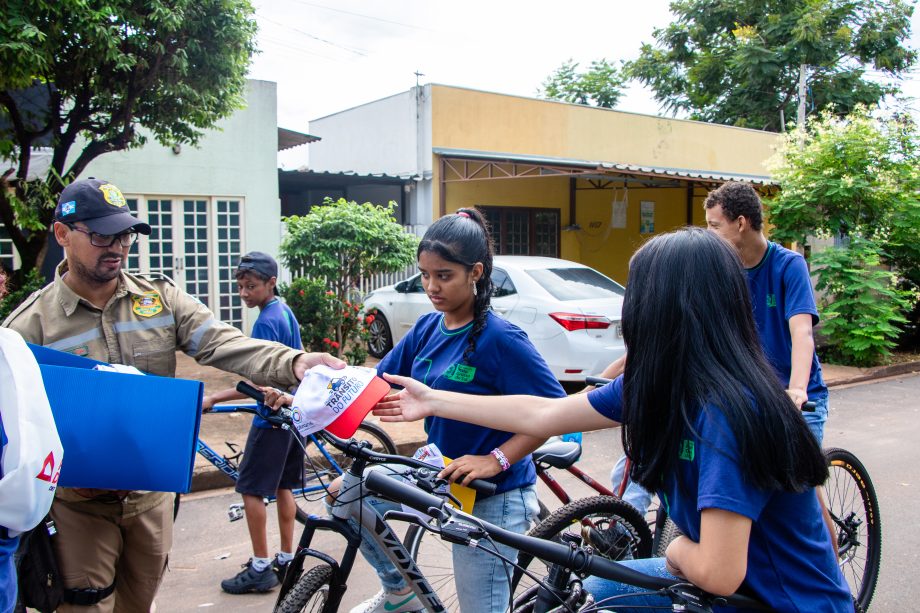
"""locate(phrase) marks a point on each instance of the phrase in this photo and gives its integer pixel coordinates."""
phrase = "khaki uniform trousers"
(93, 547)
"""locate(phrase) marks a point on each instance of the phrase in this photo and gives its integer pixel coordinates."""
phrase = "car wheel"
(380, 340)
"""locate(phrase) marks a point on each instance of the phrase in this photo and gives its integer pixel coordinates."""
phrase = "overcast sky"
(330, 55)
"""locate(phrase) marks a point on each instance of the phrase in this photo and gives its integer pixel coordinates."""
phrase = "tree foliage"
(337, 244)
(83, 77)
(857, 179)
(600, 85)
(737, 61)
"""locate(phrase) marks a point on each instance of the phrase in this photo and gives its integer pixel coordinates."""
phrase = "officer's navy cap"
(99, 205)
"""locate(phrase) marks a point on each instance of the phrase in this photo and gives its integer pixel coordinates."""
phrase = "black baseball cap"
(98, 204)
(259, 262)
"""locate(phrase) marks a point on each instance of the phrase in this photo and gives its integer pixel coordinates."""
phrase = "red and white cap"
(336, 400)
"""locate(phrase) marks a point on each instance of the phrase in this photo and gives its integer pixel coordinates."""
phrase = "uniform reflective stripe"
(146, 324)
(74, 341)
(195, 340)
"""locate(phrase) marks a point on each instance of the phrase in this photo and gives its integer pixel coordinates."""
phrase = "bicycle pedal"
(235, 512)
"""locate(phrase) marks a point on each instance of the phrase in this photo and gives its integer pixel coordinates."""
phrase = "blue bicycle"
(322, 463)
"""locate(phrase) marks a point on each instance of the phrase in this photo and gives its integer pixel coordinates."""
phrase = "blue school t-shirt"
(505, 362)
(8, 547)
(791, 564)
(780, 288)
(277, 323)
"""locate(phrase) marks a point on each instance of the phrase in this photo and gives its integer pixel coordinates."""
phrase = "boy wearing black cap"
(112, 545)
(273, 462)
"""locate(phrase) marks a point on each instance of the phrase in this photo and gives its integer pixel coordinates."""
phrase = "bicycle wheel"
(854, 509)
(320, 471)
(310, 593)
(669, 532)
(435, 559)
(614, 528)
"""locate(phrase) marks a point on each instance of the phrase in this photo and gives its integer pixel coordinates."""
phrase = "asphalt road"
(879, 422)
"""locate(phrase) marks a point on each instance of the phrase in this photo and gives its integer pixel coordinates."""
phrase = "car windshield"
(576, 283)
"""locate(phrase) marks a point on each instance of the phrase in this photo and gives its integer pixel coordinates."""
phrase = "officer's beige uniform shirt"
(143, 325)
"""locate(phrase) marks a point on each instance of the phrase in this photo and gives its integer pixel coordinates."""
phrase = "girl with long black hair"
(705, 423)
(465, 347)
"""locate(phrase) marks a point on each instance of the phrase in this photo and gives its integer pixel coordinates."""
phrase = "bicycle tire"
(311, 589)
(853, 504)
(318, 469)
(669, 532)
(602, 513)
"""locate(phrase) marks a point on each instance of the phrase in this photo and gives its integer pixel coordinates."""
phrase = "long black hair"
(693, 346)
(463, 238)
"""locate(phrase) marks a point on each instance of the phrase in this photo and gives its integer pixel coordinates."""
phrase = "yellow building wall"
(481, 121)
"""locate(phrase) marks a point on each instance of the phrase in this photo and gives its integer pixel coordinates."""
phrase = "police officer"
(112, 545)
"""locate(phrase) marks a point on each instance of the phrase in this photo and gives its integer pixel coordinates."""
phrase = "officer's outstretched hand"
(306, 361)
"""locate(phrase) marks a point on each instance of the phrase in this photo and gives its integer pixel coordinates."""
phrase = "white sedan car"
(570, 311)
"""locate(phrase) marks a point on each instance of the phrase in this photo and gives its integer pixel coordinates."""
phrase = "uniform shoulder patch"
(147, 304)
(24, 306)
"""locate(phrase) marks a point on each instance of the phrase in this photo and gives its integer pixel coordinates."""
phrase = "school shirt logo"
(461, 373)
(687, 450)
(771, 301)
(147, 304)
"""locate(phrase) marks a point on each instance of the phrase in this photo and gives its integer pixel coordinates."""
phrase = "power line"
(363, 16)
(354, 50)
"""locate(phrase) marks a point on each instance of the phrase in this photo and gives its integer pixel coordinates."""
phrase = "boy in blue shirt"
(273, 462)
(781, 294)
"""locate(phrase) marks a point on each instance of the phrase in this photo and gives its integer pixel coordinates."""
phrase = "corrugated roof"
(602, 165)
(288, 139)
(351, 173)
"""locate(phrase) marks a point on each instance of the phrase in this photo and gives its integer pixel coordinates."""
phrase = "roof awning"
(288, 139)
(493, 165)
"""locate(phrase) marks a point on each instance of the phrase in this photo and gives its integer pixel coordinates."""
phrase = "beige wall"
(482, 121)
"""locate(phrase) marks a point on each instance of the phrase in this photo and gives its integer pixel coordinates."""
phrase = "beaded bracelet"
(502, 460)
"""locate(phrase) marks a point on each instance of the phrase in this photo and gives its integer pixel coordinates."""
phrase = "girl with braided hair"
(465, 347)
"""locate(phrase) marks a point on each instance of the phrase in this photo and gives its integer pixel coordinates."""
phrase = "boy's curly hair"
(737, 199)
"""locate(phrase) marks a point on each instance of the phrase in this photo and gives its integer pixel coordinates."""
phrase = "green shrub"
(861, 305)
(34, 282)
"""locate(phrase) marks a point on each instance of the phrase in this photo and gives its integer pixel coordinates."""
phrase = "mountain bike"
(569, 561)
(322, 463)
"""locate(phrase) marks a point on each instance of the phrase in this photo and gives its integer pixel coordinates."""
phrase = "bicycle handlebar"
(353, 448)
(578, 559)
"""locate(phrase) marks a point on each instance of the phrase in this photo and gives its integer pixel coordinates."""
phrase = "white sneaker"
(385, 602)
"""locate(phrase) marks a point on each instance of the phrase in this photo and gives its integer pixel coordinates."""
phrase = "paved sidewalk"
(233, 427)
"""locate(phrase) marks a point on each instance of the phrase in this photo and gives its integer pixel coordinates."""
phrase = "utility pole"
(800, 118)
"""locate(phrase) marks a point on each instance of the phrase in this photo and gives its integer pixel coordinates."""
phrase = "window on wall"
(524, 231)
(6, 249)
(193, 241)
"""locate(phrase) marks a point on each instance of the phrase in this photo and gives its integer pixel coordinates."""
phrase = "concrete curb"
(209, 478)
(879, 372)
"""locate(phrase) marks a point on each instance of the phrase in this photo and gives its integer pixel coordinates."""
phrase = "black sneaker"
(250, 580)
(279, 568)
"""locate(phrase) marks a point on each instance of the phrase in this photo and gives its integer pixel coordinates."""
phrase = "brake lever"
(429, 481)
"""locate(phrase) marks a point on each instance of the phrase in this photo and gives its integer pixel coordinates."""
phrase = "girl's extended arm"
(538, 417)
(718, 563)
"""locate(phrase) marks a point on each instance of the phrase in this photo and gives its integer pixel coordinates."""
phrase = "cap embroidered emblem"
(69, 208)
(112, 195)
(147, 304)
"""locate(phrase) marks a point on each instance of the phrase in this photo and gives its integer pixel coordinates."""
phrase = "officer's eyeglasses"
(107, 240)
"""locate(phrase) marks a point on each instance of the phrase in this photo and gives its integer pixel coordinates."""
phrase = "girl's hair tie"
(463, 214)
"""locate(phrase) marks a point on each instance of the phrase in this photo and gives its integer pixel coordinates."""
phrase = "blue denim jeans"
(815, 419)
(481, 581)
(624, 598)
(635, 494)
